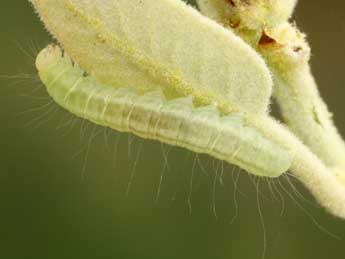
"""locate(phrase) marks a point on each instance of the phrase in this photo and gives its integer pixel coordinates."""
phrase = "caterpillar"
(151, 115)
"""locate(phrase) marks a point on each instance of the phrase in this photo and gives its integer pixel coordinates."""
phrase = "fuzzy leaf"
(160, 44)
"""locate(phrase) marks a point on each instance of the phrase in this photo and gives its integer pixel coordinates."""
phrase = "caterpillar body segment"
(175, 122)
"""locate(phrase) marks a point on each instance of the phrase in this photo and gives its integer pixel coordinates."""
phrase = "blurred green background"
(64, 182)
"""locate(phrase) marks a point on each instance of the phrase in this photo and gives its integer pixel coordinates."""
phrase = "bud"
(249, 14)
(284, 46)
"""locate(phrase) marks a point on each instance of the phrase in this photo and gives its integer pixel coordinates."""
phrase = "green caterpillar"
(175, 122)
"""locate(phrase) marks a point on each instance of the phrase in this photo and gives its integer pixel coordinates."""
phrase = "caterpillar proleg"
(152, 116)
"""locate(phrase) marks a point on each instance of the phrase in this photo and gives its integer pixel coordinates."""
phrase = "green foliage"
(165, 45)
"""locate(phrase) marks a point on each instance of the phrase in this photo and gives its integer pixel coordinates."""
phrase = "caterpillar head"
(48, 56)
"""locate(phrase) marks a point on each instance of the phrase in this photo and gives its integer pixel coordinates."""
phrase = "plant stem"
(306, 166)
(307, 115)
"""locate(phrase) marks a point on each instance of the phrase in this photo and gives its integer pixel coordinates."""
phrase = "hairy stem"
(307, 115)
(307, 167)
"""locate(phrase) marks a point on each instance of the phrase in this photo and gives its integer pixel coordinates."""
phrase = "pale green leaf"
(150, 44)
